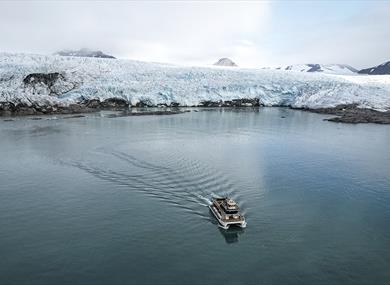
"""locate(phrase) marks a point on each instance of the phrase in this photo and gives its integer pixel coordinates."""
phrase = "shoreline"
(352, 114)
(346, 113)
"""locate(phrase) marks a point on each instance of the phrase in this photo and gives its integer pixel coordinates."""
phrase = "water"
(101, 200)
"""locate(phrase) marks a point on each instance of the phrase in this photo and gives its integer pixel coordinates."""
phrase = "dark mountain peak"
(84, 52)
(225, 62)
(381, 69)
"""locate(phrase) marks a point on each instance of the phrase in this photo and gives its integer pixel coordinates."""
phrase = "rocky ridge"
(225, 62)
(381, 69)
(84, 52)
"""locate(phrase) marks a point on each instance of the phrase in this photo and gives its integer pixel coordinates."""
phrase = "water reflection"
(232, 234)
(144, 112)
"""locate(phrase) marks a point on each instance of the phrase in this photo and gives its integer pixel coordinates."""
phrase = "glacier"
(159, 83)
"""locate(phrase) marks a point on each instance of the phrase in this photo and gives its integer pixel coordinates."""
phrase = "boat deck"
(227, 217)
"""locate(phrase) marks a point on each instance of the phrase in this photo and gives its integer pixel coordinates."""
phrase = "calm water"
(101, 200)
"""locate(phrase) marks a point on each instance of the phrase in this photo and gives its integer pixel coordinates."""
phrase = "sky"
(251, 33)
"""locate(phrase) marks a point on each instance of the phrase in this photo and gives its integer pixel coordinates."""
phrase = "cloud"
(363, 41)
(252, 33)
(183, 32)
(360, 39)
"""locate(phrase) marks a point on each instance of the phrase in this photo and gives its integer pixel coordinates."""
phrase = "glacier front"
(77, 79)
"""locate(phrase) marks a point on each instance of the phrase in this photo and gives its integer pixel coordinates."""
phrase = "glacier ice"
(94, 78)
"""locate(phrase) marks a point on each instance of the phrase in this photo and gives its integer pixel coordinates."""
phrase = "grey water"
(123, 200)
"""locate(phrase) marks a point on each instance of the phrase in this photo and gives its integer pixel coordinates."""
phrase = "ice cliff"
(45, 80)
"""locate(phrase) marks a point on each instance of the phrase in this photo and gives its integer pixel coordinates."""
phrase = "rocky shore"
(116, 104)
(344, 113)
(352, 114)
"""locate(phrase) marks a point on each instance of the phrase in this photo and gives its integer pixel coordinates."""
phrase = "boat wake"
(179, 181)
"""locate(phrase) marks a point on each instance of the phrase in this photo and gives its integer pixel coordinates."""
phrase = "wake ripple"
(181, 182)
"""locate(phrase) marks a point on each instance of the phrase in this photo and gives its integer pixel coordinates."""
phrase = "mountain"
(62, 81)
(225, 62)
(325, 68)
(84, 53)
(384, 68)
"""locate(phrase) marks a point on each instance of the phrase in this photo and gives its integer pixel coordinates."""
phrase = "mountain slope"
(381, 69)
(342, 69)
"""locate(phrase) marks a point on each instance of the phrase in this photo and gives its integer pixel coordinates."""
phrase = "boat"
(227, 212)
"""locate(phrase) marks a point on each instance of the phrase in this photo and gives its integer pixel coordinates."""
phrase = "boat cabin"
(226, 205)
(230, 206)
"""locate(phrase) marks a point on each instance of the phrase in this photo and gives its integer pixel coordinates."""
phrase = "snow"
(340, 69)
(94, 78)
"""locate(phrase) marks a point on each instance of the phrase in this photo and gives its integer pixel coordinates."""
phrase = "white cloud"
(361, 40)
(183, 32)
(252, 33)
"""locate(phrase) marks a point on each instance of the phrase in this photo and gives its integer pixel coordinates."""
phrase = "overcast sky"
(253, 34)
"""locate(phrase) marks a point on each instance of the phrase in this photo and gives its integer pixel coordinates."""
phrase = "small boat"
(227, 213)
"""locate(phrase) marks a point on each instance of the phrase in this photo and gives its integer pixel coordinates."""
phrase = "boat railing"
(233, 218)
